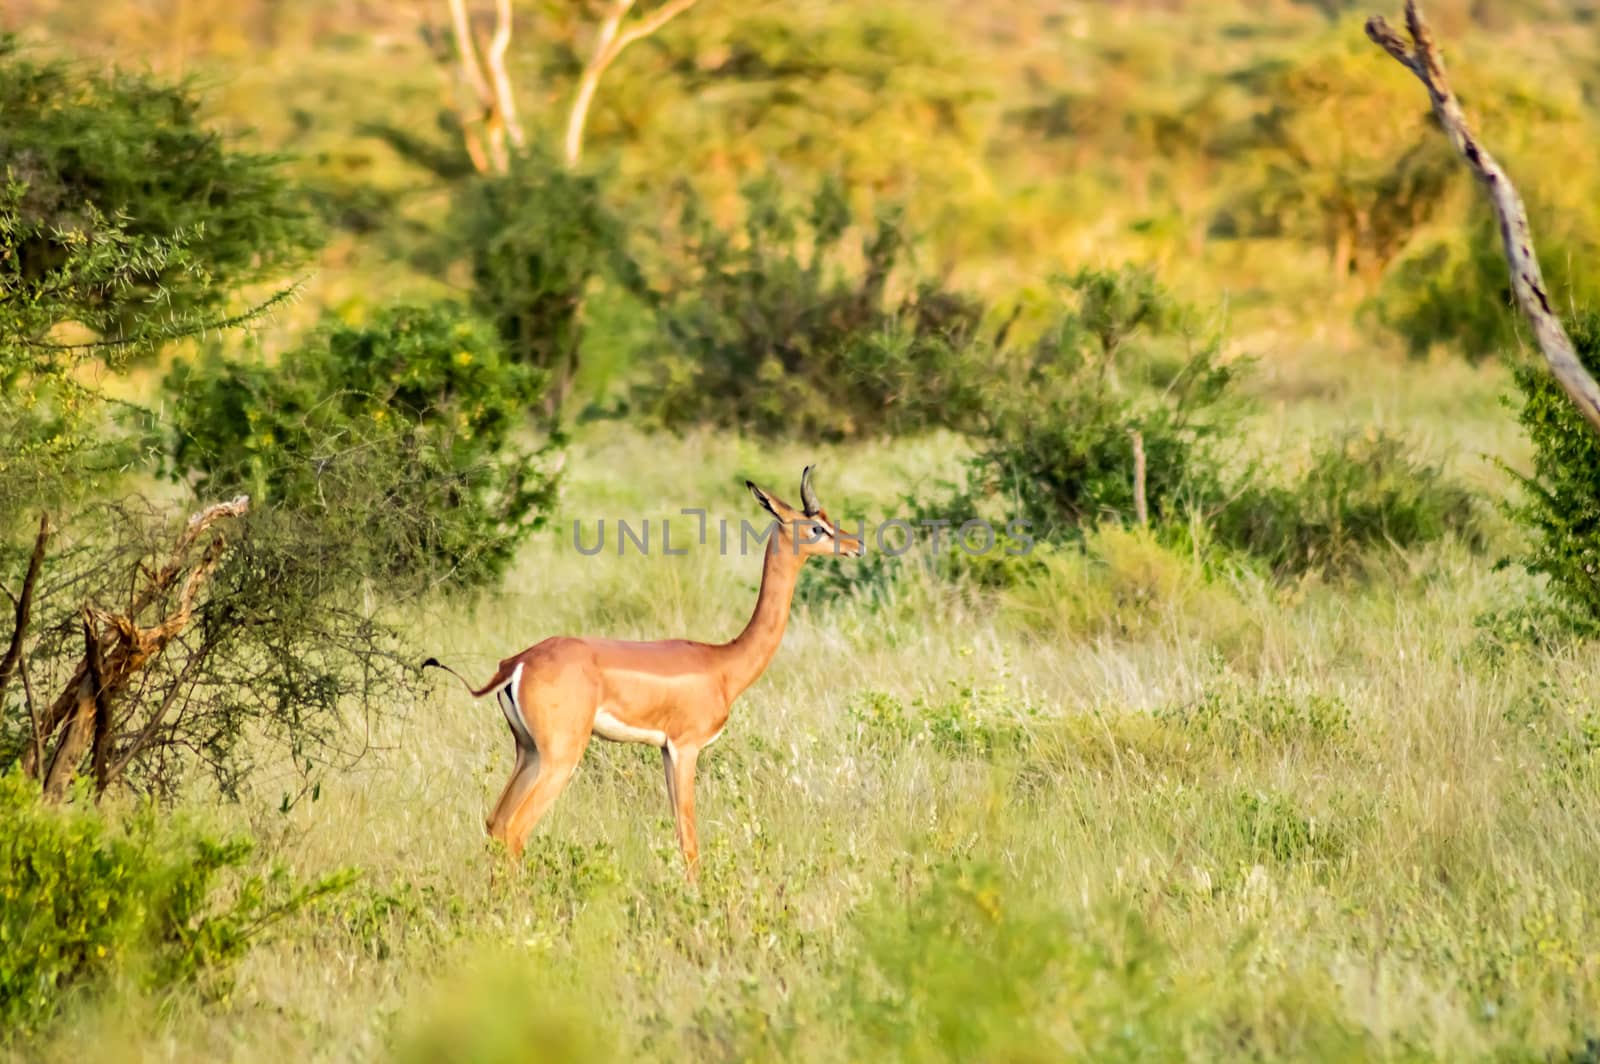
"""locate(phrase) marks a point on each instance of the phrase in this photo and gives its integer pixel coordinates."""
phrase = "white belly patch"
(609, 727)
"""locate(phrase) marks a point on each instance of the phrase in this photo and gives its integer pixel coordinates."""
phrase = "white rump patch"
(507, 697)
(609, 727)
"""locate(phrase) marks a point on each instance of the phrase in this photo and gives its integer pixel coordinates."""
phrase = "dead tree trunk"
(117, 647)
(1422, 58)
(90, 718)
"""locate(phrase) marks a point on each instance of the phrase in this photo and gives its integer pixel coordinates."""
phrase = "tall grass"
(1247, 819)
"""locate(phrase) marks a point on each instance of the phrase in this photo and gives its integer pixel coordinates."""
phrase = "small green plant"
(86, 900)
(1361, 491)
(1560, 504)
(967, 722)
(1115, 306)
(1565, 731)
(383, 920)
(1254, 722)
(1273, 826)
(402, 432)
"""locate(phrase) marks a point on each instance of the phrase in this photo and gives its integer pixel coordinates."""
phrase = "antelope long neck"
(746, 657)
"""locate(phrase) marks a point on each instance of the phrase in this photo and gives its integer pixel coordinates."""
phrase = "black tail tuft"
(435, 663)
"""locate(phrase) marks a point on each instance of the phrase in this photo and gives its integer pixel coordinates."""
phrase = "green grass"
(1313, 820)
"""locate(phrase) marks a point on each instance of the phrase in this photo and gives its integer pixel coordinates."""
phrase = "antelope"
(673, 694)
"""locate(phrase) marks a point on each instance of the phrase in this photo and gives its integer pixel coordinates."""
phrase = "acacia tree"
(126, 224)
(614, 34)
(536, 230)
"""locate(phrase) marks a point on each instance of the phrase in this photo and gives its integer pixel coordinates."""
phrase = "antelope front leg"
(672, 786)
(680, 788)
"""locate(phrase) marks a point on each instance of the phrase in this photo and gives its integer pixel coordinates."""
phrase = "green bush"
(86, 900)
(403, 433)
(1056, 455)
(1272, 826)
(1247, 721)
(1560, 504)
(776, 330)
(1361, 491)
(1115, 306)
(1055, 447)
(537, 239)
(1064, 458)
(967, 722)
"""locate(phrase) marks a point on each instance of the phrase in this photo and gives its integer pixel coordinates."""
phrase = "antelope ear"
(762, 497)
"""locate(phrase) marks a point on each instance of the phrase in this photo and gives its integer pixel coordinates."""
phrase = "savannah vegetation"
(1263, 729)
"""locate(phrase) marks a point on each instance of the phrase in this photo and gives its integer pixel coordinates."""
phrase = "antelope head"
(808, 530)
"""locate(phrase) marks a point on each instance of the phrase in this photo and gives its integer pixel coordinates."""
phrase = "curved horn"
(808, 495)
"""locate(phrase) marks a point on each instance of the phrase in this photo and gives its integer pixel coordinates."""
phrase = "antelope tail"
(500, 677)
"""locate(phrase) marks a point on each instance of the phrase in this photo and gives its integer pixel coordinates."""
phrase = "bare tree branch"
(486, 106)
(589, 80)
(68, 753)
(505, 103)
(1141, 505)
(37, 747)
(153, 725)
(1422, 58)
(609, 43)
(24, 605)
(467, 51)
(482, 128)
(657, 19)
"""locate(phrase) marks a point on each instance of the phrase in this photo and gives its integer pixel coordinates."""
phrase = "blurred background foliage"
(1261, 151)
